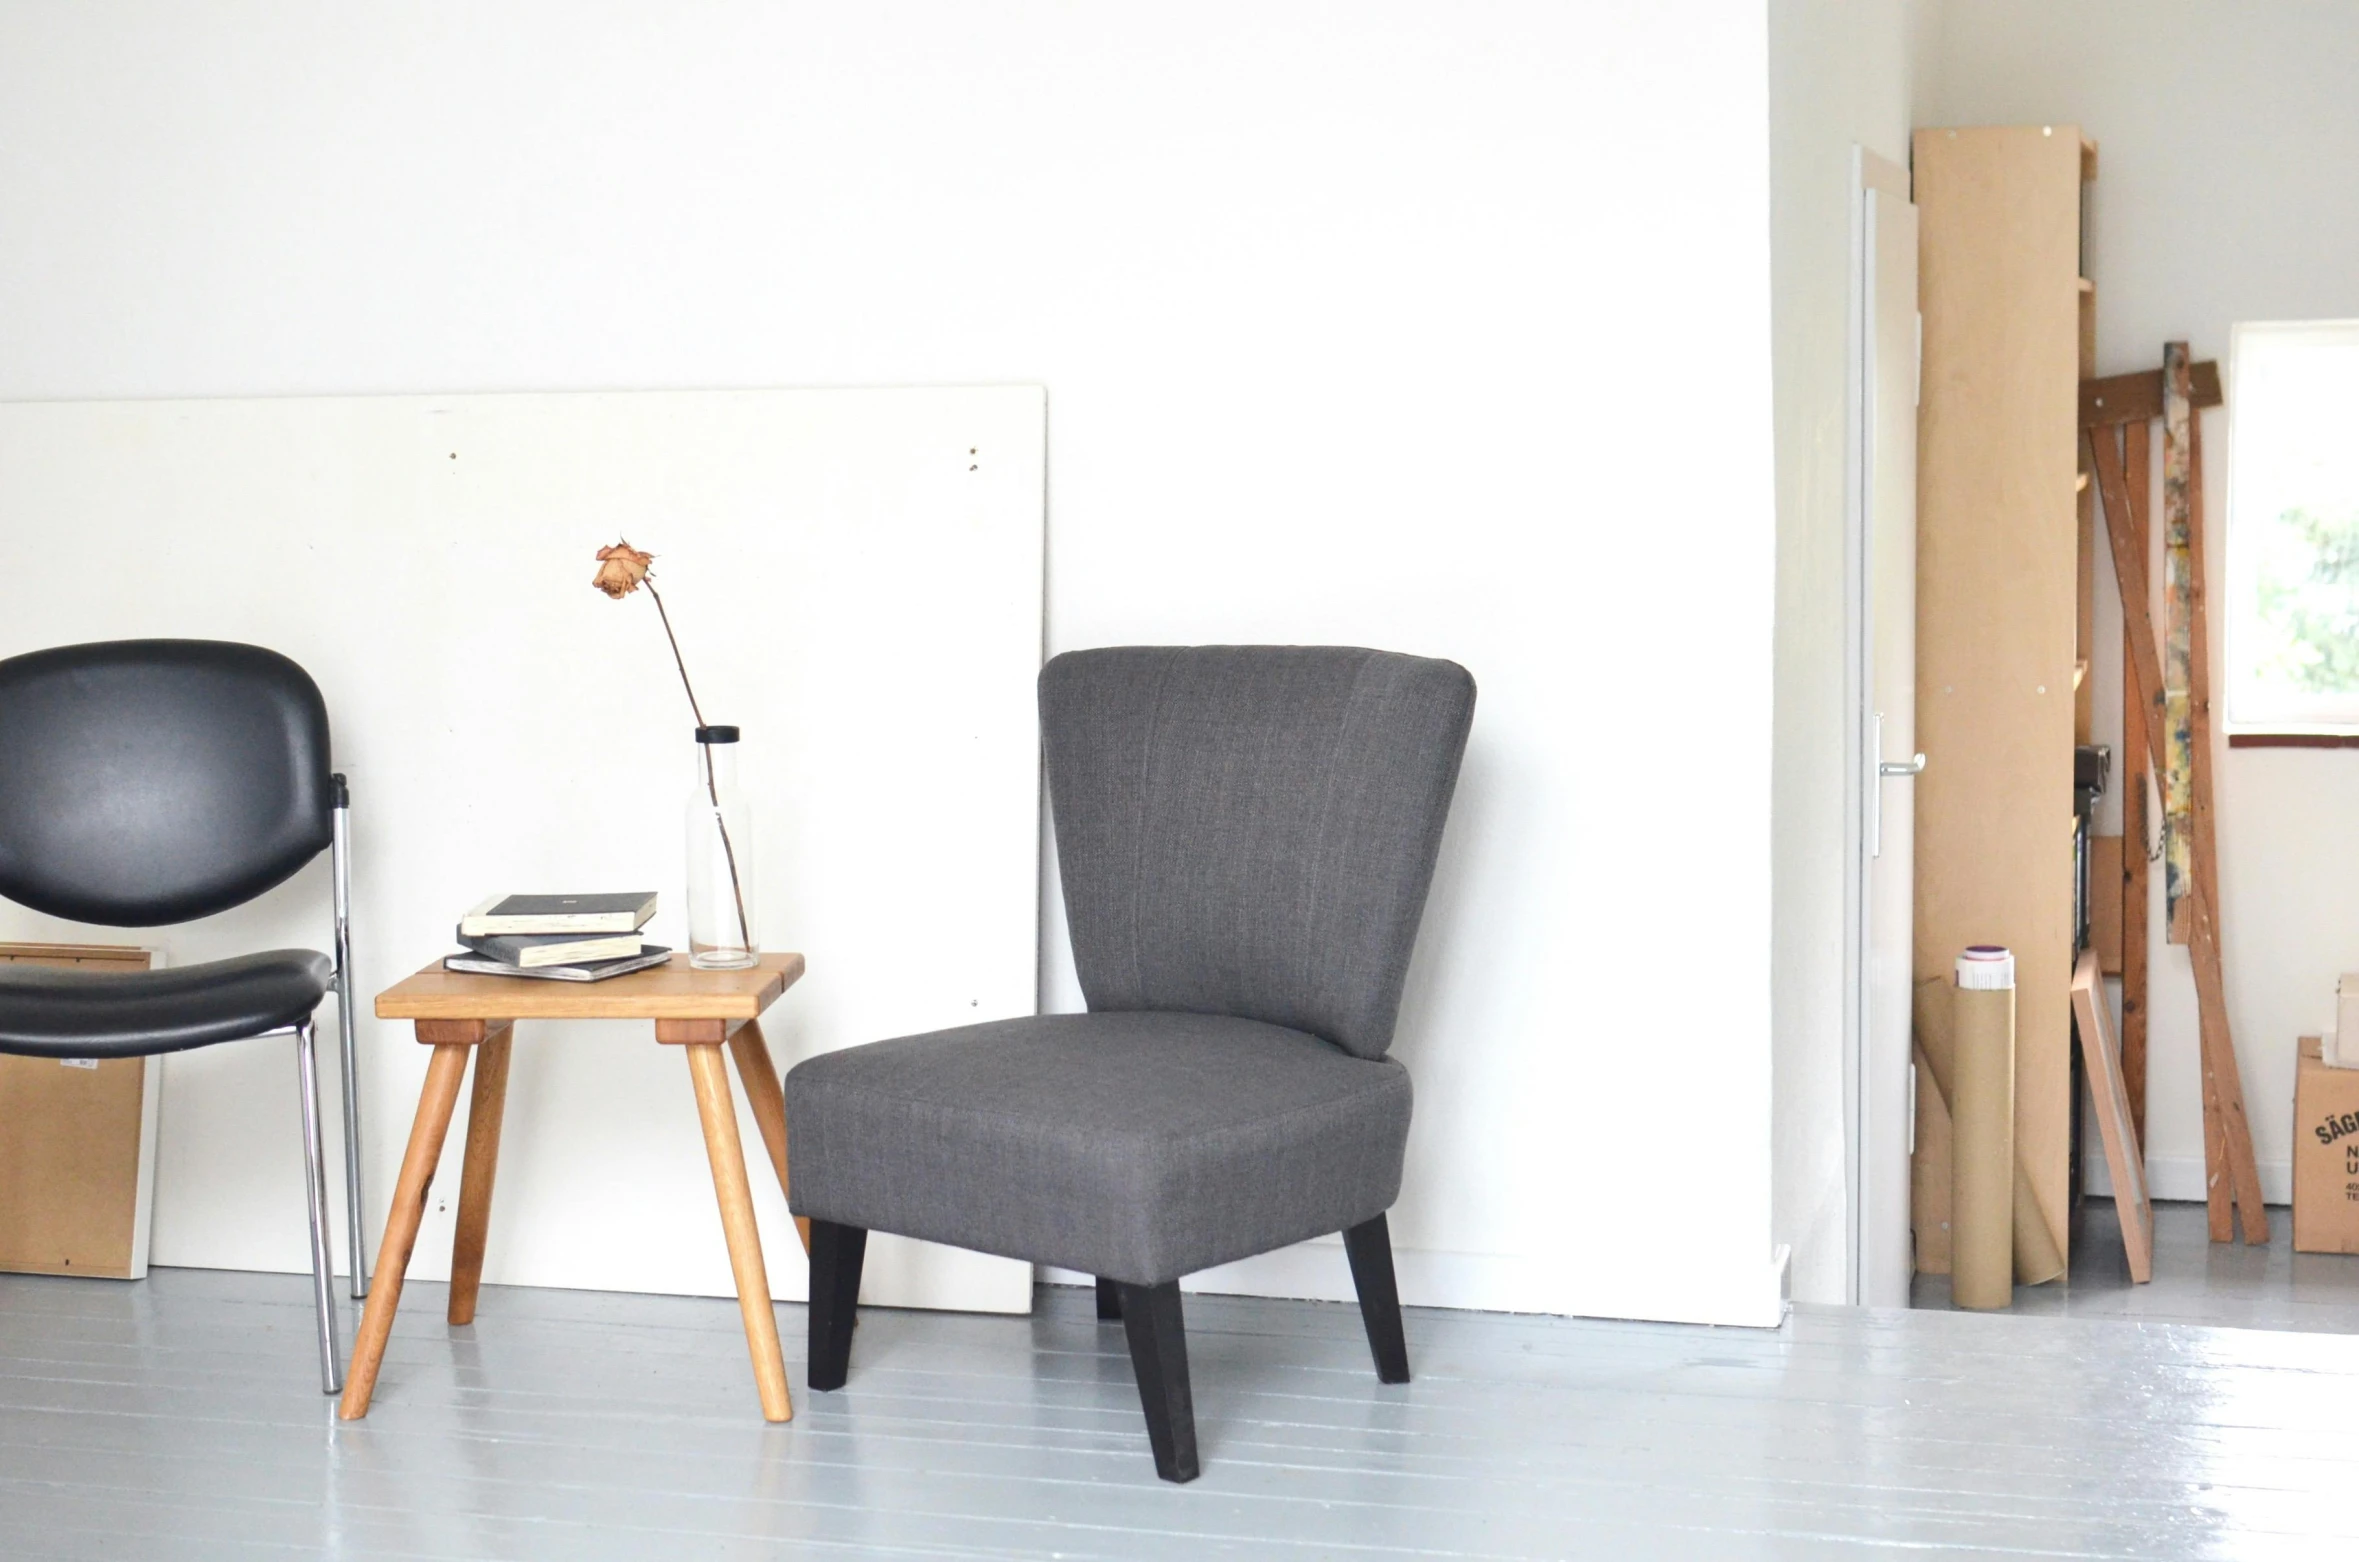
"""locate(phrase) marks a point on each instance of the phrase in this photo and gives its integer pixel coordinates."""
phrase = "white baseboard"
(1497, 1282)
(2181, 1177)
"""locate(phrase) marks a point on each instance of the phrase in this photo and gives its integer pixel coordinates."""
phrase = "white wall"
(2228, 139)
(1373, 323)
(1842, 73)
(854, 577)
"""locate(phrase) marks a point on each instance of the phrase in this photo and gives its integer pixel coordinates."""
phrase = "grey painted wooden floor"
(180, 1418)
(2195, 1281)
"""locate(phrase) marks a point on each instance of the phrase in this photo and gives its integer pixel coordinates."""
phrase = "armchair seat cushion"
(1133, 1146)
(56, 1012)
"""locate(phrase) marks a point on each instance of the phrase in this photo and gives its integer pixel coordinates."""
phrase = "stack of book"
(561, 938)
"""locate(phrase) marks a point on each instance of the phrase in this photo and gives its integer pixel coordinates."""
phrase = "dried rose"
(620, 569)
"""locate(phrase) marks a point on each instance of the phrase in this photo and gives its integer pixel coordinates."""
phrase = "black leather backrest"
(152, 781)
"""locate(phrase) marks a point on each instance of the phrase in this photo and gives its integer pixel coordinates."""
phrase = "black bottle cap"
(716, 734)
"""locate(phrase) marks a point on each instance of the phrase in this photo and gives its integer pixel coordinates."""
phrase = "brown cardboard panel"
(1998, 534)
(1982, 1148)
(70, 1156)
(2325, 1155)
(1929, 1172)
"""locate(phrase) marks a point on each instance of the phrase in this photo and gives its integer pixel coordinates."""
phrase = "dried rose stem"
(745, 936)
(678, 661)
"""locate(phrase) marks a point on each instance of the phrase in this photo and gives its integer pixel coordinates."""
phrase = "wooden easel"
(2129, 403)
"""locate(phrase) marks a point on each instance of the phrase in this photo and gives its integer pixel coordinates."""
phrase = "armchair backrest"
(1251, 830)
(152, 781)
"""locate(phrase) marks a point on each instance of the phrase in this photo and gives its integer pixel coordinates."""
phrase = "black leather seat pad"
(60, 1012)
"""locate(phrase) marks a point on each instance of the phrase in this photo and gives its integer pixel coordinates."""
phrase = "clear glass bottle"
(721, 926)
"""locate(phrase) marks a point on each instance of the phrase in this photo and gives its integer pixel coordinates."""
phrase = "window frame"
(2249, 719)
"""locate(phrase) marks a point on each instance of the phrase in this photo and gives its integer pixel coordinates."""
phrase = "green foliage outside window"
(2309, 603)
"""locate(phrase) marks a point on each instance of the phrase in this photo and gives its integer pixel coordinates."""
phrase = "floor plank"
(2196, 1280)
(178, 1418)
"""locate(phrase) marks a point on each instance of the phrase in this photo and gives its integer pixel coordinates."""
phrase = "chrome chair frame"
(340, 872)
(315, 1183)
(315, 1152)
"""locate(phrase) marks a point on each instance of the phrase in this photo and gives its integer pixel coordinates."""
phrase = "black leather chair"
(145, 782)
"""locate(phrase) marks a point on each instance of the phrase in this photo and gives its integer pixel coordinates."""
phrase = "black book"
(588, 971)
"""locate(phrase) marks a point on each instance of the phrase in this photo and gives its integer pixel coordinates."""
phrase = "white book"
(595, 971)
(622, 913)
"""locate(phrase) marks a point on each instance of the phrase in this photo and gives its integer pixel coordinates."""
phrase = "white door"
(1887, 486)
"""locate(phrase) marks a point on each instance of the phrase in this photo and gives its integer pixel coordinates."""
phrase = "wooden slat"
(2136, 799)
(675, 991)
(2105, 881)
(137, 959)
(2084, 693)
(2137, 398)
(2124, 1156)
(458, 1033)
(2211, 984)
(2234, 1136)
(2180, 655)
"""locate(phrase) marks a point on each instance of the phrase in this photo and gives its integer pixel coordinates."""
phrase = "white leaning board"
(856, 580)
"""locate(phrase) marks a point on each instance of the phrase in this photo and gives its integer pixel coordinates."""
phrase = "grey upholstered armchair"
(1246, 834)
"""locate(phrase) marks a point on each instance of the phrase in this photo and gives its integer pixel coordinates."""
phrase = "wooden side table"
(695, 1010)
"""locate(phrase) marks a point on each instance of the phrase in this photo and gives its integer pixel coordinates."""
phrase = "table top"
(672, 991)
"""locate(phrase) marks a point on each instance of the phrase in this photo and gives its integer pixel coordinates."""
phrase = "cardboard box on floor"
(77, 1146)
(2325, 1155)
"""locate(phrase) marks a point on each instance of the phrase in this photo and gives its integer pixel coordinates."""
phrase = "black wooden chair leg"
(1369, 1245)
(1159, 1355)
(1109, 1299)
(836, 1253)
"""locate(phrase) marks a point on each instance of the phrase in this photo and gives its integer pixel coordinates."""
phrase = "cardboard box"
(2325, 1155)
(78, 1146)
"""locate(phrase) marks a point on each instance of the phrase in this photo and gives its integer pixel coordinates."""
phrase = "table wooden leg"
(481, 1166)
(719, 1114)
(435, 1104)
(752, 1053)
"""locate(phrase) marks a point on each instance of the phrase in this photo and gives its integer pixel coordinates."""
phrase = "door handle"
(1881, 768)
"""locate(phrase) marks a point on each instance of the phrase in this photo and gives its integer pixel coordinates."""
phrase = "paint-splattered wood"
(2136, 801)
(2230, 1157)
(2203, 816)
(2178, 650)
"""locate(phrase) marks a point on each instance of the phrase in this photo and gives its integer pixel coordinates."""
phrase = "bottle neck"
(716, 766)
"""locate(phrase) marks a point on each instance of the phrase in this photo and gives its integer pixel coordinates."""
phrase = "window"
(2293, 529)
